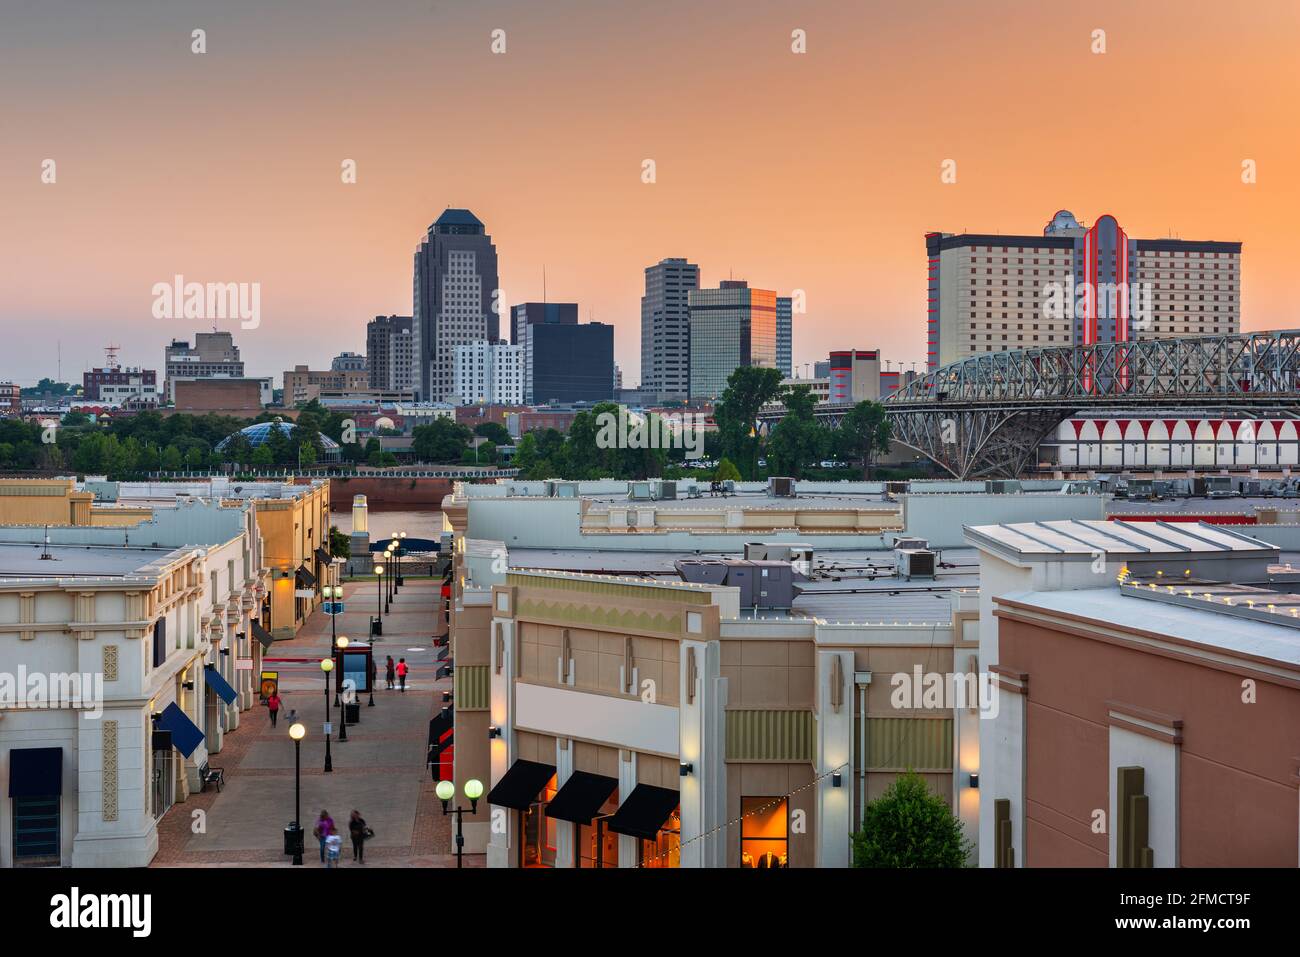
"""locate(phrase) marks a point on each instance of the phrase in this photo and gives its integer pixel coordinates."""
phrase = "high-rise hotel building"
(992, 293)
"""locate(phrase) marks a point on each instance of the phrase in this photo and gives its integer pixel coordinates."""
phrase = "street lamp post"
(379, 593)
(401, 547)
(388, 596)
(342, 644)
(446, 790)
(326, 666)
(297, 731)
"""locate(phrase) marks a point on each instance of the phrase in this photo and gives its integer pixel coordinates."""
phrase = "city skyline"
(230, 172)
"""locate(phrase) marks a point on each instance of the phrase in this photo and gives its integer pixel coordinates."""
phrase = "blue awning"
(219, 684)
(35, 772)
(186, 735)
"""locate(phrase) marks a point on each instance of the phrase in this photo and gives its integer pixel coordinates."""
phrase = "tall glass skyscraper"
(731, 326)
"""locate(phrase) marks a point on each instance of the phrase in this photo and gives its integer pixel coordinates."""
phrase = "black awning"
(519, 787)
(644, 812)
(581, 797)
(304, 578)
(35, 772)
(322, 556)
(262, 635)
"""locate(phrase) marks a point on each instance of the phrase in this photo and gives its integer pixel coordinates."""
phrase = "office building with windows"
(1074, 285)
(568, 362)
(490, 373)
(666, 328)
(456, 299)
(731, 326)
(785, 335)
(390, 353)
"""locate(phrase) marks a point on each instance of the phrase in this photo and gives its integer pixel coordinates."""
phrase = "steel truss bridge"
(985, 416)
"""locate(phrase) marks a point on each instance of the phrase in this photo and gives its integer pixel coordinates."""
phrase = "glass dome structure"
(259, 432)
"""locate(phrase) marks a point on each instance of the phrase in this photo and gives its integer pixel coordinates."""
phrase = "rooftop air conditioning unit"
(914, 563)
(667, 490)
(780, 487)
(640, 492)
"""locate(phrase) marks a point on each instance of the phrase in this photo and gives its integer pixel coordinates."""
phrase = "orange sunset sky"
(817, 171)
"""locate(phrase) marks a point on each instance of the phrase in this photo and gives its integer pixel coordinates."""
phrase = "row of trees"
(797, 443)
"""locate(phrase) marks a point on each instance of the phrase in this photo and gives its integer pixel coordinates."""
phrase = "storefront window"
(608, 839)
(666, 849)
(538, 844)
(764, 832)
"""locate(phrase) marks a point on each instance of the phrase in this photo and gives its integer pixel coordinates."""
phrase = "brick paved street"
(380, 770)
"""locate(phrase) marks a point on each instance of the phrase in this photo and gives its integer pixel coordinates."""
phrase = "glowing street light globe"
(343, 641)
(473, 789)
(327, 665)
(297, 731)
(445, 790)
(379, 569)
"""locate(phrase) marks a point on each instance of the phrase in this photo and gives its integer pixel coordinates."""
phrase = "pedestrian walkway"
(380, 770)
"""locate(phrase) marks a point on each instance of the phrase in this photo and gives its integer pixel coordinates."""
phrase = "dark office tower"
(390, 359)
(666, 327)
(568, 362)
(455, 299)
(784, 334)
(526, 313)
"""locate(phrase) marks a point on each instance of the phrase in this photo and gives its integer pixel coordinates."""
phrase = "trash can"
(293, 839)
(376, 625)
(352, 712)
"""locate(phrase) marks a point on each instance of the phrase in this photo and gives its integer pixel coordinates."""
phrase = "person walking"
(273, 705)
(402, 669)
(390, 674)
(291, 718)
(333, 849)
(324, 826)
(360, 834)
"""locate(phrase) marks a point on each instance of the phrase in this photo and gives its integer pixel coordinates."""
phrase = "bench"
(210, 775)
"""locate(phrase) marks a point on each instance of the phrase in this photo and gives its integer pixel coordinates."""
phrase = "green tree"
(340, 543)
(864, 434)
(262, 456)
(494, 432)
(908, 826)
(798, 439)
(749, 388)
(726, 470)
(442, 440)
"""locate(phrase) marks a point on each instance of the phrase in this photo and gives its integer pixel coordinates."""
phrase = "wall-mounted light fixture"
(975, 780)
(685, 769)
(187, 685)
(493, 731)
(837, 780)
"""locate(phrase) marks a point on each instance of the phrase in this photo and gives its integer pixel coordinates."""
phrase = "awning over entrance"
(644, 812)
(219, 684)
(580, 798)
(186, 735)
(304, 579)
(35, 772)
(519, 787)
(322, 556)
(262, 635)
